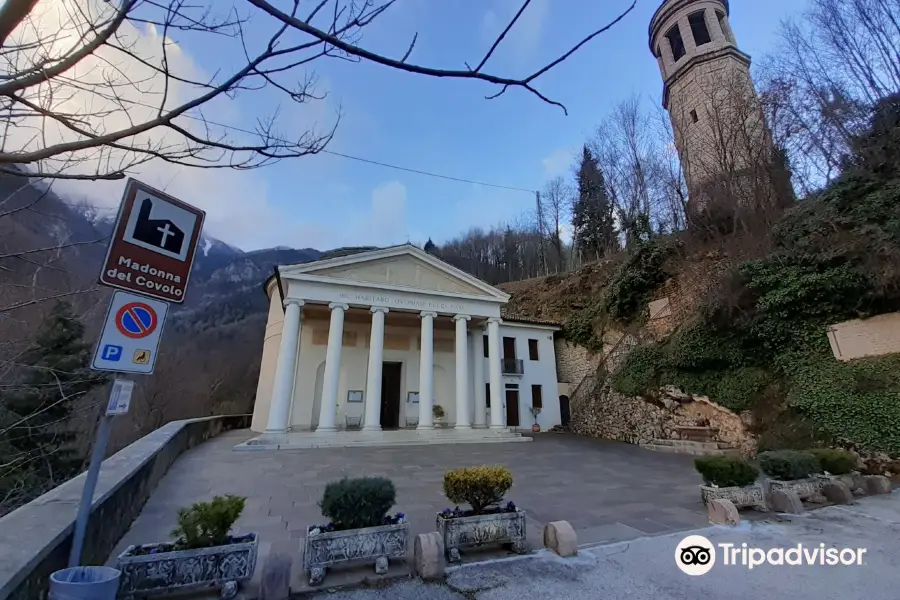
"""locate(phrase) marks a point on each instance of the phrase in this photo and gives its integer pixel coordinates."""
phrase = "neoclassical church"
(396, 346)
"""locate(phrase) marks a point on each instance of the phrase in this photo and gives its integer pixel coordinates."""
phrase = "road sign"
(119, 397)
(153, 244)
(131, 334)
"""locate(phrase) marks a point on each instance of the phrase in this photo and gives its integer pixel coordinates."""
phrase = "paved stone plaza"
(608, 491)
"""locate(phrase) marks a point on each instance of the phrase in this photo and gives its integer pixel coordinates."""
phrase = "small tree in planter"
(792, 470)
(360, 527)
(437, 411)
(204, 553)
(732, 478)
(486, 522)
(535, 411)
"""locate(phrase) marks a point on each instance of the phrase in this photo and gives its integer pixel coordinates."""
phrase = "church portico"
(354, 350)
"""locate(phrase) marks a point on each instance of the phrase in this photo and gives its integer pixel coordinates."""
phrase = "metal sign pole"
(119, 399)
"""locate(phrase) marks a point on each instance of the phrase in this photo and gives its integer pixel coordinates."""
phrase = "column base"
(424, 427)
(372, 428)
(276, 431)
(321, 429)
(498, 426)
(479, 426)
(462, 427)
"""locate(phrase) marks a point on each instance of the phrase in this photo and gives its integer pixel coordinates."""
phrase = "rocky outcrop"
(636, 420)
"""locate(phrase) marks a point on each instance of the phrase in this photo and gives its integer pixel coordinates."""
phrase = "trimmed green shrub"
(206, 524)
(357, 503)
(835, 461)
(726, 471)
(479, 487)
(787, 465)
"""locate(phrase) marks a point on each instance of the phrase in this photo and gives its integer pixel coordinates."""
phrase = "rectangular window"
(537, 396)
(487, 395)
(698, 28)
(533, 350)
(675, 41)
(509, 347)
(484, 339)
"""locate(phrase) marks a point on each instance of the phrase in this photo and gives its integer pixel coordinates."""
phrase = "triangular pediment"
(402, 266)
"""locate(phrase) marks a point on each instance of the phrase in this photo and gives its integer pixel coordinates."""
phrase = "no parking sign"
(131, 334)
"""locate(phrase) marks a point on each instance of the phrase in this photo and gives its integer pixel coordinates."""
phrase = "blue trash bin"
(85, 583)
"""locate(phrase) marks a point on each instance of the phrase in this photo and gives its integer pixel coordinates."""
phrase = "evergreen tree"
(593, 225)
(36, 411)
(431, 248)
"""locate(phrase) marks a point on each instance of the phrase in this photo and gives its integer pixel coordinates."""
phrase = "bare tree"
(830, 68)
(84, 96)
(628, 147)
(556, 203)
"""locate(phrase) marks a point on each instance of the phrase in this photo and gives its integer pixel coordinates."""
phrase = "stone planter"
(477, 530)
(222, 566)
(328, 548)
(804, 488)
(750, 496)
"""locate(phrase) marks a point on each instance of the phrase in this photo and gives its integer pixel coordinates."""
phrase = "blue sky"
(441, 125)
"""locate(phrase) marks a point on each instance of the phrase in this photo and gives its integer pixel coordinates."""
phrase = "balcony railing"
(513, 366)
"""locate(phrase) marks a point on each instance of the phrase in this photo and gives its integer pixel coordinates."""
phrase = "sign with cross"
(153, 244)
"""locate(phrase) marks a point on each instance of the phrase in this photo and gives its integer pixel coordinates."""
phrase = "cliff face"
(555, 297)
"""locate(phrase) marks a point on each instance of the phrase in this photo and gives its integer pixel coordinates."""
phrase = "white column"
(462, 373)
(498, 415)
(285, 368)
(426, 372)
(480, 420)
(373, 379)
(328, 408)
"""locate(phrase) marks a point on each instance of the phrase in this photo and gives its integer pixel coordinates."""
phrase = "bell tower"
(716, 117)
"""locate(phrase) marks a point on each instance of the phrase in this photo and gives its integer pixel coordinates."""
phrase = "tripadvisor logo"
(696, 555)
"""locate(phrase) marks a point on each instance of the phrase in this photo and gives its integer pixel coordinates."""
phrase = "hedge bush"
(638, 373)
(726, 471)
(357, 503)
(788, 465)
(206, 524)
(835, 461)
(479, 487)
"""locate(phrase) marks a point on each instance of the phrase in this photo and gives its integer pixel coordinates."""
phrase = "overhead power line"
(361, 159)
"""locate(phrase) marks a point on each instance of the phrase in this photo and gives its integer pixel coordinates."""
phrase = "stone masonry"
(708, 92)
(609, 415)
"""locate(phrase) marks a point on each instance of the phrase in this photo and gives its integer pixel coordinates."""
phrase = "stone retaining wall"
(608, 415)
(37, 537)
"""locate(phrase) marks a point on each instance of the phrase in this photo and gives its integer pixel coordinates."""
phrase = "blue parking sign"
(112, 353)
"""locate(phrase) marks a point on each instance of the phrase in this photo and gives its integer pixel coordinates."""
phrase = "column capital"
(428, 313)
(461, 318)
(496, 320)
(339, 305)
(287, 301)
(381, 309)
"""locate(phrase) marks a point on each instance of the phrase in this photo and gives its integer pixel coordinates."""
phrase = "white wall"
(354, 368)
(540, 372)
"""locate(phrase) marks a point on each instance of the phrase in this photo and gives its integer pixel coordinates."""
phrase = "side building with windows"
(376, 340)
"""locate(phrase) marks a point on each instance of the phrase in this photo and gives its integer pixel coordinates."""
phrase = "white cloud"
(238, 209)
(559, 163)
(525, 37)
(383, 223)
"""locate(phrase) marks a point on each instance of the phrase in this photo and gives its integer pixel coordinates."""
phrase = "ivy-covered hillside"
(759, 342)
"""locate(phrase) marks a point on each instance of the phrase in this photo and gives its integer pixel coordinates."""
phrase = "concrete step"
(692, 448)
(350, 439)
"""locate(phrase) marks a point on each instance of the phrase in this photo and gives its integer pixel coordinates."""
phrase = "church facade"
(396, 339)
